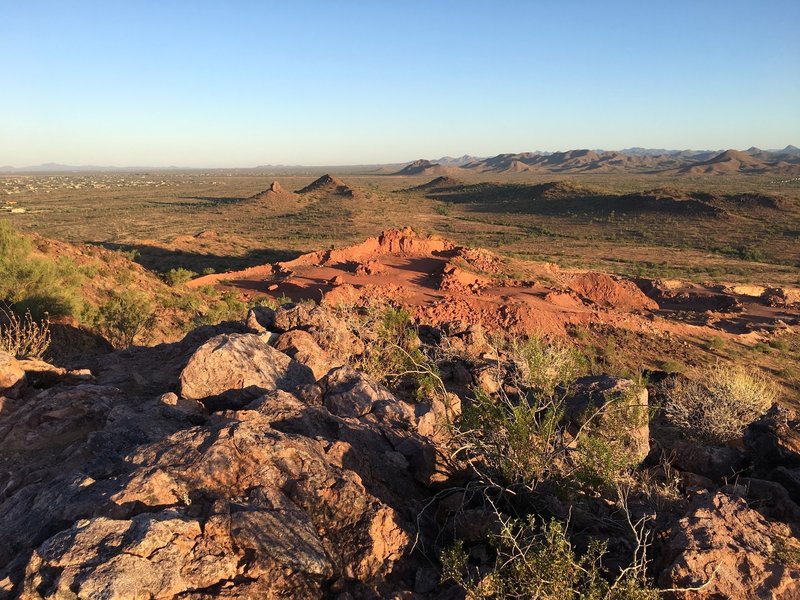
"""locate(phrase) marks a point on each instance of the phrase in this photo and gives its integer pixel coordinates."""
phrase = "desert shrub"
(185, 301)
(716, 343)
(523, 438)
(780, 344)
(31, 283)
(124, 317)
(538, 561)
(269, 302)
(178, 277)
(546, 368)
(672, 366)
(131, 254)
(395, 353)
(228, 308)
(511, 442)
(23, 337)
(716, 407)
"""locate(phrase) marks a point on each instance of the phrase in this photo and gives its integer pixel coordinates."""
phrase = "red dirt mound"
(480, 260)
(456, 279)
(440, 282)
(405, 242)
(605, 290)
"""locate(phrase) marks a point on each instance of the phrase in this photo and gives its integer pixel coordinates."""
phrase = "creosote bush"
(524, 438)
(537, 561)
(394, 354)
(717, 406)
(178, 277)
(125, 317)
(228, 308)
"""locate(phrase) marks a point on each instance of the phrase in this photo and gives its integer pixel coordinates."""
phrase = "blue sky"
(247, 83)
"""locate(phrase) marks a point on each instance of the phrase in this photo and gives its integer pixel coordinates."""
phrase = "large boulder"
(331, 333)
(300, 346)
(55, 418)
(281, 498)
(237, 368)
(348, 393)
(728, 550)
(120, 489)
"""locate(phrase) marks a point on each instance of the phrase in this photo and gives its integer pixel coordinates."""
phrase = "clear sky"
(352, 82)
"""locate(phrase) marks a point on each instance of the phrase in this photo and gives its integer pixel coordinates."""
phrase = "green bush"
(512, 442)
(178, 277)
(547, 368)
(125, 317)
(229, 308)
(394, 353)
(29, 283)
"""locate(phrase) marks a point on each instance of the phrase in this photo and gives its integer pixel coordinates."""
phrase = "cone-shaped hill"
(274, 193)
(328, 184)
(440, 183)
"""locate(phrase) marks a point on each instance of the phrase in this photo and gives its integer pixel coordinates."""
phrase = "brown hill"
(730, 161)
(677, 163)
(275, 193)
(426, 167)
(439, 183)
(328, 184)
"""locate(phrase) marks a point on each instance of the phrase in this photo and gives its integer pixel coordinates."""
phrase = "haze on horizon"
(321, 83)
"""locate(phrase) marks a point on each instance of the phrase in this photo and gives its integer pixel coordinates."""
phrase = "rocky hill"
(252, 459)
(362, 449)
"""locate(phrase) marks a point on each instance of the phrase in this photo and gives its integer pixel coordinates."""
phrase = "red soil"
(439, 282)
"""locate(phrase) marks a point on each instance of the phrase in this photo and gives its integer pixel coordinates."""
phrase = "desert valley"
(406, 301)
(383, 381)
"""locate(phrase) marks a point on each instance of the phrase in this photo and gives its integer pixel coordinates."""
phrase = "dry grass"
(718, 405)
(23, 337)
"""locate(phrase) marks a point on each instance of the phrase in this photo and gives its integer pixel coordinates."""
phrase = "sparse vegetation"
(537, 560)
(394, 351)
(30, 282)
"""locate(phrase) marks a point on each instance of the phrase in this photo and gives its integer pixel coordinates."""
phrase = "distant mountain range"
(631, 160)
(785, 161)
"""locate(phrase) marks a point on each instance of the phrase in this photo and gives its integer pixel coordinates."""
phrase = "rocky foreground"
(249, 460)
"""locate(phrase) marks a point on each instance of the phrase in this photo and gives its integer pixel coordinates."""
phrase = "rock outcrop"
(12, 376)
(289, 490)
(239, 367)
(722, 548)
